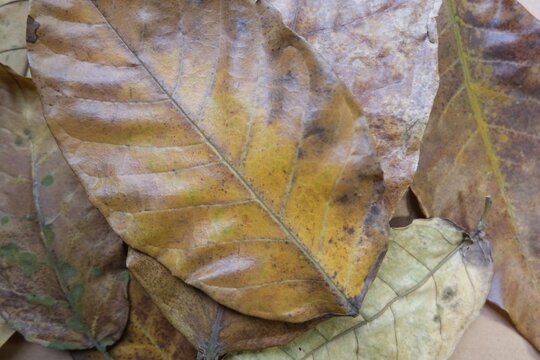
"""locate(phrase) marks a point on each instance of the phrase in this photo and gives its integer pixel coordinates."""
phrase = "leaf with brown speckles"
(386, 53)
(13, 15)
(213, 329)
(148, 335)
(62, 268)
(215, 140)
(431, 285)
(483, 139)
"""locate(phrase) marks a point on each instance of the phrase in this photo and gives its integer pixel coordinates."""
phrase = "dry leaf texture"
(386, 53)
(215, 140)
(13, 15)
(431, 285)
(62, 282)
(148, 335)
(210, 327)
(483, 139)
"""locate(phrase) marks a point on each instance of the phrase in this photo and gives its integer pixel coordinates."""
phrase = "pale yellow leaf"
(13, 15)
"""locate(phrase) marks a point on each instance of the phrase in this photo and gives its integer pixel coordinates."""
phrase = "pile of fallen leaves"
(186, 179)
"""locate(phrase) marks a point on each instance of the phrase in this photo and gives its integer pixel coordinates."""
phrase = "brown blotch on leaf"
(32, 27)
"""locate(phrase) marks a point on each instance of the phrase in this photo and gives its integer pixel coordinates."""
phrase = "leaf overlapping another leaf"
(482, 140)
(61, 266)
(386, 53)
(214, 139)
(431, 285)
(148, 335)
(210, 327)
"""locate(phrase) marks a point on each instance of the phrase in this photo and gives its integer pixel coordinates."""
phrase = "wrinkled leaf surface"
(62, 282)
(213, 329)
(386, 53)
(215, 140)
(483, 140)
(148, 335)
(12, 35)
(431, 285)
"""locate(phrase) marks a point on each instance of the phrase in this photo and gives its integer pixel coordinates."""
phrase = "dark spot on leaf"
(48, 234)
(28, 262)
(241, 24)
(63, 345)
(47, 180)
(32, 27)
(124, 275)
(448, 293)
(315, 131)
(66, 271)
(18, 140)
(75, 295)
(40, 299)
(344, 199)
(76, 323)
(349, 230)
(14, 255)
(26, 132)
(95, 272)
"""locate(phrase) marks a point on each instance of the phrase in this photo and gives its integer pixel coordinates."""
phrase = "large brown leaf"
(212, 328)
(215, 140)
(483, 139)
(148, 335)
(13, 15)
(386, 53)
(62, 277)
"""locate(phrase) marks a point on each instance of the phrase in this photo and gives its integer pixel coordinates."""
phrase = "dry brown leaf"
(386, 53)
(215, 140)
(13, 15)
(213, 329)
(431, 285)
(482, 139)
(148, 335)
(62, 281)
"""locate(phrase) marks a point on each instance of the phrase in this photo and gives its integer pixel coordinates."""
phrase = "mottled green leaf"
(52, 240)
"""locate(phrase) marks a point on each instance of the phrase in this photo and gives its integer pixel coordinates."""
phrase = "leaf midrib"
(482, 128)
(429, 275)
(222, 158)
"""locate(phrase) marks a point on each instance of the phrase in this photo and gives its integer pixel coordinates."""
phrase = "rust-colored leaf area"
(483, 139)
(210, 327)
(215, 140)
(386, 53)
(148, 335)
(62, 282)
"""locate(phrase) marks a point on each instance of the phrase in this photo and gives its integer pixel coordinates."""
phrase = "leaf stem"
(483, 219)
